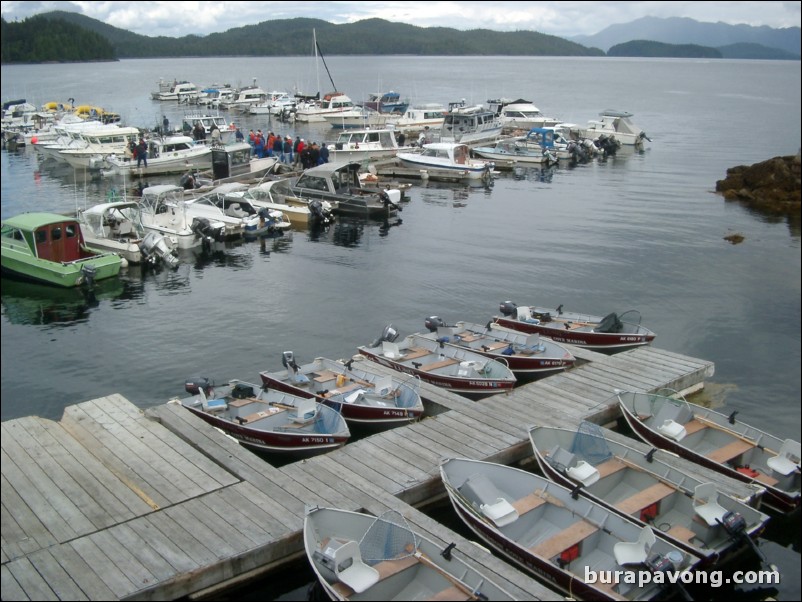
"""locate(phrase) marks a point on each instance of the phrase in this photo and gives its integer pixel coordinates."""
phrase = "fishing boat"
(537, 147)
(520, 114)
(50, 248)
(453, 368)
(365, 397)
(718, 442)
(164, 211)
(357, 556)
(613, 332)
(389, 102)
(117, 227)
(170, 154)
(266, 421)
(447, 157)
(540, 526)
(418, 117)
(526, 355)
(365, 145)
(691, 514)
(619, 125)
(338, 183)
(469, 124)
(298, 211)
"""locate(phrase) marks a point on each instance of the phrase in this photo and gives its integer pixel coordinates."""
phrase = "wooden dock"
(113, 502)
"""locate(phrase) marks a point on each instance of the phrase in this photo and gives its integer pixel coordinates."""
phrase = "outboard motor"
(384, 196)
(389, 334)
(288, 361)
(203, 227)
(88, 273)
(320, 211)
(156, 247)
(507, 308)
(195, 384)
(657, 563)
(432, 323)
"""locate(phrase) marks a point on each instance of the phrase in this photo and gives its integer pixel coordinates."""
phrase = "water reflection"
(39, 304)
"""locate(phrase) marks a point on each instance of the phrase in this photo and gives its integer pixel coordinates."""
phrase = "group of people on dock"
(298, 153)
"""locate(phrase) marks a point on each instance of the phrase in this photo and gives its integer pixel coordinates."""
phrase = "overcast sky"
(557, 18)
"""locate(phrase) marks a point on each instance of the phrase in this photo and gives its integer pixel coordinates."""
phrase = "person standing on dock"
(141, 153)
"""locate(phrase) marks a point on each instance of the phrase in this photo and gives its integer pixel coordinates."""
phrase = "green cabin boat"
(50, 248)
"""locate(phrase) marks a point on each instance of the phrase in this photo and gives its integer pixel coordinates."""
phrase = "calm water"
(643, 231)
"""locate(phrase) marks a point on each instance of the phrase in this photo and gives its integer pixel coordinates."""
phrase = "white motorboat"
(520, 114)
(100, 143)
(619, 125)
(357, 118)
(181, 91)
(276, 103)
(365, 144)
(244, 99)
(297, 211)
(469, 124)
(117, 227)
(421, 116)
(163, 211)
(450, 157)
(537, 147)
(171, 154)
(331, 104)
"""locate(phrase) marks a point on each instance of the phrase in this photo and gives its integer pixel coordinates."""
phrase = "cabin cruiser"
(520, 114)
(182, 91)
(171, 154)
(617, 124)
(334, 102)
(419, 117)
(364, 145)
(244, 99)
(469, 124)
(99, 143)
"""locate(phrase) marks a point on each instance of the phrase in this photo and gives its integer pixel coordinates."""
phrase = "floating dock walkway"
(115, 502)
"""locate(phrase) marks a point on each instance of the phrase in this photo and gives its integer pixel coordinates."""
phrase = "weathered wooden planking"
(104, 499)
(27, 490)
(57, 486)
(29, 580)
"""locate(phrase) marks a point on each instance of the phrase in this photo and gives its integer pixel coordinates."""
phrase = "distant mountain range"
(30, 40)
(680, 30)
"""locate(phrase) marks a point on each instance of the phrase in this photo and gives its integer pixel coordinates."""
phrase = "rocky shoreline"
(773, 186)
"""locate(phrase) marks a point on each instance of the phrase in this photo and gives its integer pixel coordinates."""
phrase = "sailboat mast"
(318, 51)
(317, 63)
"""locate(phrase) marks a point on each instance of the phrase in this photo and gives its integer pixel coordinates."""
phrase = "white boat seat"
(673, 430)
(523, 314)
(584, 473)
(391, 350)
(305, 411)
(705, 504)
(787, 459)
(125, 228)
(635, 552)
(350, 569)
(354, 397)
(211, 405)
(383, 386)
(501, 512)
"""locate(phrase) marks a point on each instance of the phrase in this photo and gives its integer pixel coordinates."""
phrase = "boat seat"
(306, 410)
(383, 386)
(787, 459)
(561, 458)
(584, 473)
(211, 405)
(635, 552)
(125, 228)
(673, 430)
(391, 350)
(523, 314)
(350, 569)
(501, 512)
(705, 504)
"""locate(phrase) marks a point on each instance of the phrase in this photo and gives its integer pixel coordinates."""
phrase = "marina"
(114, 502)
(601, 237)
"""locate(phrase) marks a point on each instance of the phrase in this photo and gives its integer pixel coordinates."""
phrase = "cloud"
(565, 19)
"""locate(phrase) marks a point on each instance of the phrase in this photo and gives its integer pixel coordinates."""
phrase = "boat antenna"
(320, 53)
